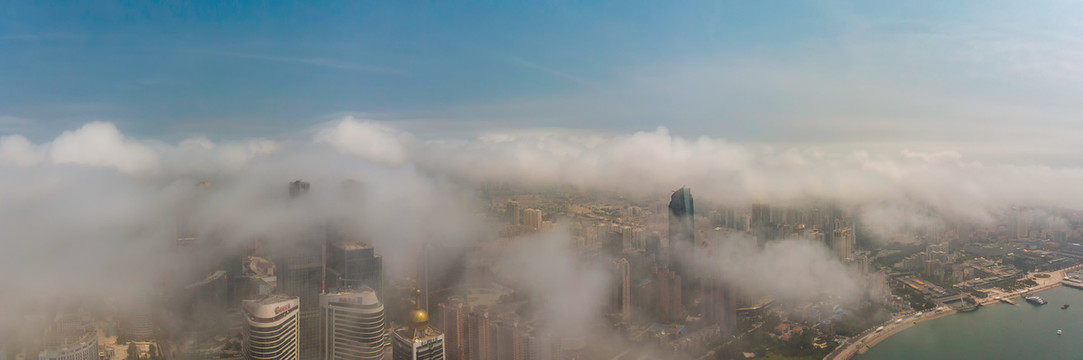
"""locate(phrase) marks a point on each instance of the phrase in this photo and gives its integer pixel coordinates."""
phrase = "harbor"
(994, 332)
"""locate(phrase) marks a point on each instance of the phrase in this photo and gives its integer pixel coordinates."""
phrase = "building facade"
(271, 328)
(84, 347)
(417, 340)
(354, 326)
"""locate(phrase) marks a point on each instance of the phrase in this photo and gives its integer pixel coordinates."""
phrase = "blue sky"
(819, 72)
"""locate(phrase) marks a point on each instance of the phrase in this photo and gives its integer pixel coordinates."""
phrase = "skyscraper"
(417, 340)
(842, 242)
(353, 325)
(621, 298)
(682, 229)
(139, 324)
(271, 328)
(71, 337)
(512, 212)
(453, 320)
(508, 339)
(299, 266)
(478, 338)
(298, 188)
(532, 218)
(353, 264)
(668, 305)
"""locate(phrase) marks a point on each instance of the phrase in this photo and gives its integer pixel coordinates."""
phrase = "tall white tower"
(354, 326)
(271, 328)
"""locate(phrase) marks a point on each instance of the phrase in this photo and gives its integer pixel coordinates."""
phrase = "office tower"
(478, 338)
(440, 271)
(512, 212)
(842, 242)
(271, 328)
(353, 263)
(185, 230)
(70, 337)
(621, 298)
(300, 274)
(682, 229)
(138, 324)
(454, 315)
(417, 340)
(82, 347)
(353, 325)
(207, 300)
(299, 266)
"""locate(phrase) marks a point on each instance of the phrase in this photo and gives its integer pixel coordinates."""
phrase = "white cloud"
(365, 139)
(100, 144)
(18, 150)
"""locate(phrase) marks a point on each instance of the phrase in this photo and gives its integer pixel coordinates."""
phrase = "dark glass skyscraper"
(682, 226)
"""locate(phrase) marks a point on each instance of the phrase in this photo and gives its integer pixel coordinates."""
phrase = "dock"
(1074, 284)
(1007, 301)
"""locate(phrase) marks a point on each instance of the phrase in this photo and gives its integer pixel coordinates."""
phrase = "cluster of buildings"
(316, 298)
(786, 332)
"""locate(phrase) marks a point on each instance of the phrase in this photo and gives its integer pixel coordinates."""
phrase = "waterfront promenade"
(864, 341)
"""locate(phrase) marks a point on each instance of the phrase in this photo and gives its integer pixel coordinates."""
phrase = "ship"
(1036, 300)
(1064, 307)
(1072, 283)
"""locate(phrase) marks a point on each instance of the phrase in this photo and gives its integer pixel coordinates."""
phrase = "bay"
(999, 331)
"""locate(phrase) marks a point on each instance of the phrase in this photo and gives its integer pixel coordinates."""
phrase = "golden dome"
(418, 318)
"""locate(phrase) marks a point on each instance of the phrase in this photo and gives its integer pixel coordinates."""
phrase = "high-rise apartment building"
(454, 314)
(532, 218)
(668, 304)
(512, 212)
(508, 339)
(622, 289)
(418, 340)
(843, 242)
(720, 305)
(271, 328)
(353, 325)
(480, 343)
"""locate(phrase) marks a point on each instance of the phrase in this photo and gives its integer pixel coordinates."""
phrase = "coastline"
(865, 341)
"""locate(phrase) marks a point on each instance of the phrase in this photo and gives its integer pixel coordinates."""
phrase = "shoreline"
(862, 343)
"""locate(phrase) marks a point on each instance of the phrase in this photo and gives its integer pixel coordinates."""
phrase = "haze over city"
(516, 181)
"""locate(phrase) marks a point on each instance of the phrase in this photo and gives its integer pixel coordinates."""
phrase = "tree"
(133, 352)
(152, 353)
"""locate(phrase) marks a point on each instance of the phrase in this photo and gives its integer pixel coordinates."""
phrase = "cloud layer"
(91, 211)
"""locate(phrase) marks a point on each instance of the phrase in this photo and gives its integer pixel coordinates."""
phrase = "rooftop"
(274, 299)
(352, 245)
(428, 333)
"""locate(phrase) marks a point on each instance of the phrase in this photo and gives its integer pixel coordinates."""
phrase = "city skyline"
(515, 181)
